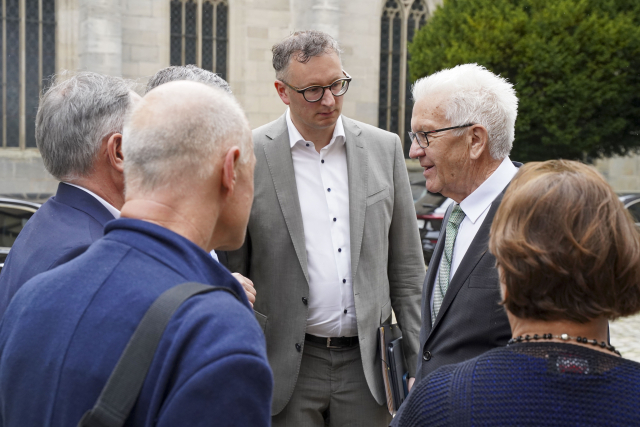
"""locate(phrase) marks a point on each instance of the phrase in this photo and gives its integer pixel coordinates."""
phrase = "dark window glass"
(12, 88)
(384, 72)
(190, 10)
(417, 18)
(12, 220)
(48, 42)
(395, 73)
(207, 36)
(32, 72)
(221, 42)
(2, 91)
(634, 210)
(411, 28)
(176, 33)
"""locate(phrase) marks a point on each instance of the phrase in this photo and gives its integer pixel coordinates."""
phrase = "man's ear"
(230, 167)
(281, 88)
(479, 141)
(114, 151)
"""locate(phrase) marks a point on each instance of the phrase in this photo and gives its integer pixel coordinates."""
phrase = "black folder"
(393, 365)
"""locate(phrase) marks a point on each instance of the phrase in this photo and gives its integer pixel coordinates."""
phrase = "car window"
(443, 207)
(418, 191)
(12, 220)
(634, 210)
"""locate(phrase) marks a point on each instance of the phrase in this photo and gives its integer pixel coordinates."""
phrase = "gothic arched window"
(199, 34)
(399, 22)
(27, 39)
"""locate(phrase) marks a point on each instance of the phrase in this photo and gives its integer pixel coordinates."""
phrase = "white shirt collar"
(115, 212)
(295, 136)
(480, 200)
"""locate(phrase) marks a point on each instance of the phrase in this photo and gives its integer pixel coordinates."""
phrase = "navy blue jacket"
(65, 330)
(59, 231)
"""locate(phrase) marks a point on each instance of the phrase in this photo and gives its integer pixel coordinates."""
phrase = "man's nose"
(328, 100)
(415, 151)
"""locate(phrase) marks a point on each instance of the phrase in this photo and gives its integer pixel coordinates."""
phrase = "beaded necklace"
(563, 337)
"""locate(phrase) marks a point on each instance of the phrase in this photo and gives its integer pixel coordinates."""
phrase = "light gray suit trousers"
(386, 258)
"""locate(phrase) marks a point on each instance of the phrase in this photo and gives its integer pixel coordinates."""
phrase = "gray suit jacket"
(386, 258)
(470, 321)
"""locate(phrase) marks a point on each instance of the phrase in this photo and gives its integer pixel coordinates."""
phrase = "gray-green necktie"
(442, 280)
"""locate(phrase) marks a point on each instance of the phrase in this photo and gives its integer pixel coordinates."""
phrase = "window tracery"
(199, 34)
(399, 22)
(27, 39)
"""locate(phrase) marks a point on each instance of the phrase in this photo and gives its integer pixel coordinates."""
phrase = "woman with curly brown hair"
(568, 254)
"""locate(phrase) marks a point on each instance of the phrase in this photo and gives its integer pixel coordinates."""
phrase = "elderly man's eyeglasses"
(423, 139)
(316, 93)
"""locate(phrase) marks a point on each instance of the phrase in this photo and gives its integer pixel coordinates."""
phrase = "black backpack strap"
(125, 383)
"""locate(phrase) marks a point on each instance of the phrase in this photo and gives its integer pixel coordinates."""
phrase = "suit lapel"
(357, 166)
(477, 249)
(277, 151)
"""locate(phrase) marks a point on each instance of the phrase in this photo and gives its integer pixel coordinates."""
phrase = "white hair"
(475, 95)
(180, 135)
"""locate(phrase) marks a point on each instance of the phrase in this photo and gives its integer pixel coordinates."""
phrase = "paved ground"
(625, 336)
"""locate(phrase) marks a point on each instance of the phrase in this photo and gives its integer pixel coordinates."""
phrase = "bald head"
(178, 131)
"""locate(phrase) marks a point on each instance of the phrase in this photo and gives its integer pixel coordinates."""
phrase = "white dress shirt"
(115, 212)
(475, 207)
(323, 191)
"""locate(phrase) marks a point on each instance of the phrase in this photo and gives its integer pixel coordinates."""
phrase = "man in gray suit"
(463, 130)
(332, 245)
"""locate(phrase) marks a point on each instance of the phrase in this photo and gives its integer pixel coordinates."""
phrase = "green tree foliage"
(575, 65)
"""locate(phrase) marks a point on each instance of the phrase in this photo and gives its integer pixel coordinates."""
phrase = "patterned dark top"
(529, 384)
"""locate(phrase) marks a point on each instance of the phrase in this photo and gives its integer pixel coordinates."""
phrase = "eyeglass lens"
(315, 93)
(421, 138)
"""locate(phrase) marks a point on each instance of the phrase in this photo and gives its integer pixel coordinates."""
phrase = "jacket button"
(304, 300)
(298, 347)
(426, 356)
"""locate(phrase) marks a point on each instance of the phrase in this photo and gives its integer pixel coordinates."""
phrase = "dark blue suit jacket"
(65, 329)
(59, 231)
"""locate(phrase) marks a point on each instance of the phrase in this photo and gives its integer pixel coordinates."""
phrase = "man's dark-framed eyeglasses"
(423, 139)
(316, 93)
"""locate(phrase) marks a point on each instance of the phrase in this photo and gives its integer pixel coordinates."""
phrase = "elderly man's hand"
(248, 287)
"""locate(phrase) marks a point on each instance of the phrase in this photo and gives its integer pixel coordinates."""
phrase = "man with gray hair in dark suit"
(79, 135)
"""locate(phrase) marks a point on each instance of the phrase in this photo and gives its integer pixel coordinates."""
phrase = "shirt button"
(345, 311)
(304, 300)
(307, 145)
(344, 280)
(329, 190)
(321, 161)
(335, 219)
(298, 347)
(339, 249)
(426, 356)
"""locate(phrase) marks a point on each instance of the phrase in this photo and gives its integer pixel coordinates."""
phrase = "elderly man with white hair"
(462, 132)
(189, 188)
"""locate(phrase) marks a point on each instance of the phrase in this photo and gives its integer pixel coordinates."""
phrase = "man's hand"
(248, 287)
(410, 382)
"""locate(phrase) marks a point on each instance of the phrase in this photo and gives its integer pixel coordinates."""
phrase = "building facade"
(136, 38)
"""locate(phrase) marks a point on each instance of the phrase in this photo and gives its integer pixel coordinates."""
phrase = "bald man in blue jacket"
(189, 179)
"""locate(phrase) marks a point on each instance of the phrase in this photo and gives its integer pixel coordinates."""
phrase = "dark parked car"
(430, 209)
(14, 214)
(632, 204)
